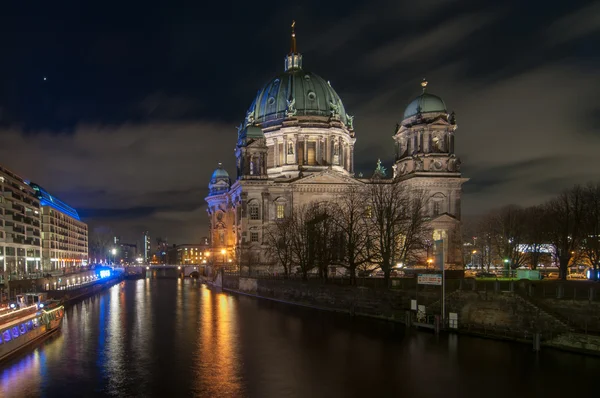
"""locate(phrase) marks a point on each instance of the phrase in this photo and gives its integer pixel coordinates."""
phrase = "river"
(175, 338)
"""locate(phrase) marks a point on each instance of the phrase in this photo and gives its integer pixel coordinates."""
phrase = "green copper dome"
(425, 103)
(220, 172)
(295, 92)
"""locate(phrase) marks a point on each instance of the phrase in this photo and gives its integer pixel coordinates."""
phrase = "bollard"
(474, 285)
(511, 286)
(530, 290)
(536, 341)
(496, 286)
(591, 294)
(436, 324)
(560, 291)
(408, 319)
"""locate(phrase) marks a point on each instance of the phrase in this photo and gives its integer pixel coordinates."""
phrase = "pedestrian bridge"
(167, 271)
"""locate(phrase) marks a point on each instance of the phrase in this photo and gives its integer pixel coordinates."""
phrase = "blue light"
(104, 273)
(41, 305)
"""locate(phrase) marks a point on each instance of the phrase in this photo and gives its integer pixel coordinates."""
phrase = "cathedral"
(296, 146)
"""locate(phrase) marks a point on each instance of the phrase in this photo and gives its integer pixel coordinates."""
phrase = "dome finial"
(293, 60)
(293, 49)
(424, 84)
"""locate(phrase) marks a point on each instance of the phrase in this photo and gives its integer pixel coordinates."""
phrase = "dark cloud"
(136, 112)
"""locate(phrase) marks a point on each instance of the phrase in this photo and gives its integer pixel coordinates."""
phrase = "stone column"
(295, 149)
(352, 159)
(275, 153)
(305, 154)
(285, 150)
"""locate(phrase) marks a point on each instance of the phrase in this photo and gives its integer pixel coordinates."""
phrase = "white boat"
(28, 320)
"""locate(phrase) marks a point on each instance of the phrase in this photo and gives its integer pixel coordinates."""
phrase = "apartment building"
(20, 228)
(64, 235)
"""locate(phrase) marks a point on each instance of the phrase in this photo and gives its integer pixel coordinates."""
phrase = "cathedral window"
(253, 236)
(436, 208)
(254, 212)
(280, 211)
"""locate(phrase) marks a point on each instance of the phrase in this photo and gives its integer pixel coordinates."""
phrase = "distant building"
(146, 247)
(127, 253)
(189, 254)
(64, 235)
(20, 226)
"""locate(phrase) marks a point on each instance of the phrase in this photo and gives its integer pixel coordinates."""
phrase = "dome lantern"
(294, 59)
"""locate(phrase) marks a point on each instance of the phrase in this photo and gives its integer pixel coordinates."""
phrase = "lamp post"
(223, 252)
(473, 253)
(114, 253)
(507, 265)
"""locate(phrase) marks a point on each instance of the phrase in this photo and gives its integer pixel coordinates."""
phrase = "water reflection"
(160, 338)
(217, 360)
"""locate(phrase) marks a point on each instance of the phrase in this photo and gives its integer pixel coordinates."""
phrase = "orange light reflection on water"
(218, 362)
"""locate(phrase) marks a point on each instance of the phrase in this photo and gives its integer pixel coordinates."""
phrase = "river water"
(174, 338)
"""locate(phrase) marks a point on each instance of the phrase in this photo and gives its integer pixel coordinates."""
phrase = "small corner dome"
(220, 172)
(425, 103)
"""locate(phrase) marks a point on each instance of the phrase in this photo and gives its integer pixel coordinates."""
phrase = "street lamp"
(114, 253)
(223, 252)
(429, 261)
(507, 265)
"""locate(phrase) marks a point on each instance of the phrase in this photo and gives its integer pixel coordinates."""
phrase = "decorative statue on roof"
(334, 109)
(250, 118)
(291, 108)
(350, 121)
(380, 171)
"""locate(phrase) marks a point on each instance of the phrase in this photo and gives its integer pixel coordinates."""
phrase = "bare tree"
(399, 224)
(352, 217)
(302, 220)
(535, 221)
(590, 243)
(565, 218)
(322, 237)
(279, 241)
(507, 235)
(101, 240)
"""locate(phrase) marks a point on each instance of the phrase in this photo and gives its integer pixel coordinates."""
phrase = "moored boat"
(30, 319)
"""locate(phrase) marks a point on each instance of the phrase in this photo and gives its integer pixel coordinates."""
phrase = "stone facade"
(296, 146)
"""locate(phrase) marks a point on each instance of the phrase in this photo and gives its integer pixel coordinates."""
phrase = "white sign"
(453, 321)
(429, 279)
(413, 305)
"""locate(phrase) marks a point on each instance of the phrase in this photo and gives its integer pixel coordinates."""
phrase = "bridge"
(167, 271)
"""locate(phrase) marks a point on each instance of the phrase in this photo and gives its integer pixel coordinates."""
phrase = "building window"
(254, 212)
(280, 211)
(253, 236)
(436, 208)
(368, 211)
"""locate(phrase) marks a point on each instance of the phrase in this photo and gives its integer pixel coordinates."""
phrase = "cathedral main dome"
(306, 93)
(295, 93)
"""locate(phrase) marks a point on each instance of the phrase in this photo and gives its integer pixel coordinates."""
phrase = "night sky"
(124, 109)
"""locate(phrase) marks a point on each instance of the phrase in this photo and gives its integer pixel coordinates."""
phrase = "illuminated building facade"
(147, 248)
(296, 146)
(189, 254)
(20, 227)
(64, 235)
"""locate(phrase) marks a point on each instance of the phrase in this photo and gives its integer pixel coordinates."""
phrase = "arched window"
(254, 211)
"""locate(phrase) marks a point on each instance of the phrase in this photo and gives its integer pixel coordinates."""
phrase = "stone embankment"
(484, 310)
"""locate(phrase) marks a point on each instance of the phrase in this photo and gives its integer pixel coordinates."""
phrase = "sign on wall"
(429, 279)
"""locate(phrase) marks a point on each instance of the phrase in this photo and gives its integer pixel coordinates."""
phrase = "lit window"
(254, 212)
(368, 211)
(253, 236)
(280, 211)
(436, 208)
